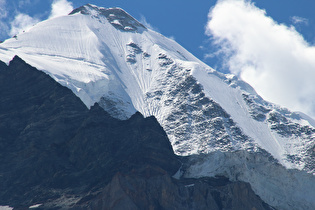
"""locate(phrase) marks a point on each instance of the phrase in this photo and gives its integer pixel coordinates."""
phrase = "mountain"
(57, 154)
(226, 129)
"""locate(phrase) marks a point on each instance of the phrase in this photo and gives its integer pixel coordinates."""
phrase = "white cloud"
(299, 20)
(172, 38)
(22, 22)
(144, 22)
(23, 3)
(2, 2)
(3, 12)
(273, 58)
(4, 28)
(60, 7)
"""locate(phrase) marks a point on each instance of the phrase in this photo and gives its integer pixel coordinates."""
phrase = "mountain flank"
(59, 154)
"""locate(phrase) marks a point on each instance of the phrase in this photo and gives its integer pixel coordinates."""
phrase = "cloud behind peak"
(273, 58)
(60, 7)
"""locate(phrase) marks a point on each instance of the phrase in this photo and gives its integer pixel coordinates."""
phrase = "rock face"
(57, 153)
(160, 191)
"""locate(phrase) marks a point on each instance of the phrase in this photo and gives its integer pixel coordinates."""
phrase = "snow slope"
(106, 56)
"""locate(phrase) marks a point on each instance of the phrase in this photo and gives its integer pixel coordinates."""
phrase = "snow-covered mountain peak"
(106, 56)
(201, 109)
(119, 18)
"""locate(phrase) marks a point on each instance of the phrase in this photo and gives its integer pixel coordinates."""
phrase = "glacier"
(106, 56)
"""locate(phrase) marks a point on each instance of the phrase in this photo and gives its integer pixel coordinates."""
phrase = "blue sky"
(268, 43)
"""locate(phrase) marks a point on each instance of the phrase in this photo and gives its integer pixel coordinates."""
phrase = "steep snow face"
(106, 56)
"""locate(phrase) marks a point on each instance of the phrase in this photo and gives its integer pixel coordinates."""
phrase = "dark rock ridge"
(57, 153)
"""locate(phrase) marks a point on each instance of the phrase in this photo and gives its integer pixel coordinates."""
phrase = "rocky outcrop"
(57, 153)
(160, 191)
(116, 16)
